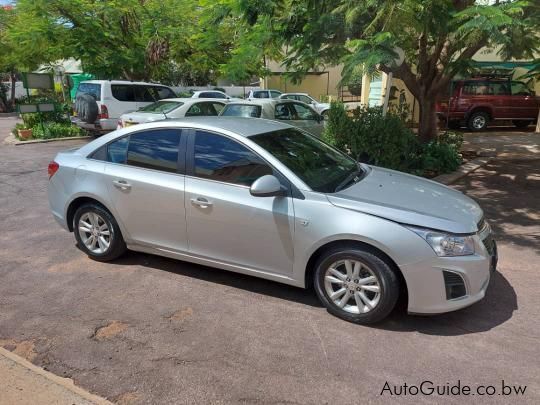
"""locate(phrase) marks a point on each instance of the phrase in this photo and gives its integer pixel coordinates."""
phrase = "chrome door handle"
(201, 202)
(122, 184)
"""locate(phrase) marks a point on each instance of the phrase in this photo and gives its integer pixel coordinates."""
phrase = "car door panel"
(224, 221)
(239, 229)
(147, 190)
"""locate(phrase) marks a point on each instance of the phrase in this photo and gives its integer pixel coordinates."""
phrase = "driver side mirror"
(267, 186)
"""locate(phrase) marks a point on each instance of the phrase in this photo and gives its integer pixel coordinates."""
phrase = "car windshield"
(162, 107)
(241, 110)
(320, 166)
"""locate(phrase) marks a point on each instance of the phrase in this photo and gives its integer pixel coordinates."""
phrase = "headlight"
(446, 244)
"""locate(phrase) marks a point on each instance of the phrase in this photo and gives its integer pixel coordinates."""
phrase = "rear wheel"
(97, 233)
(356, 285)
(521, 123)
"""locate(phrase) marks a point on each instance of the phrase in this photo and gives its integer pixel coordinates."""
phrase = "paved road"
(148, 330)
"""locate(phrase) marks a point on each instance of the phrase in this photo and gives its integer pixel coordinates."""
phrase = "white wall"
(20, 91)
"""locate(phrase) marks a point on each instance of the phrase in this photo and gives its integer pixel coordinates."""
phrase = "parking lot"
(147, 329)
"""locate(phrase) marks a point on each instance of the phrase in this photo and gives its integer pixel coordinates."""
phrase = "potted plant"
(24, 133)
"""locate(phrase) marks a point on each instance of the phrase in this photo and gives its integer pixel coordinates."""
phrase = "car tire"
(367, 302)
(478, 121)
(97, 233)
(521, 123)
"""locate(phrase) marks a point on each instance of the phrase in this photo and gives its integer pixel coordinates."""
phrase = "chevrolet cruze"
(263, 198)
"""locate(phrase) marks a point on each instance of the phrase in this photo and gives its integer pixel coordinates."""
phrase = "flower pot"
(25, 133)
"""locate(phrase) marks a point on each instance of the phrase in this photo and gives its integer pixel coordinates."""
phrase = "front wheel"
(356, 285)
(97, 233)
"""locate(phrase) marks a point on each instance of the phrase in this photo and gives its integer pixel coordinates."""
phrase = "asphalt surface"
(147, 329)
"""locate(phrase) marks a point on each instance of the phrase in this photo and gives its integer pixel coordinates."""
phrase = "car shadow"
(495, 309)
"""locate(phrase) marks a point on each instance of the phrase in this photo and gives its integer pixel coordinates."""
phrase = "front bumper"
(426, 283)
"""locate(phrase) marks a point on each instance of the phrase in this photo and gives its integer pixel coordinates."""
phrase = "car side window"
(260, 94)
(207, 94)
(223, 159)
(195, 110)
(302, 112)
(161, 93)
(143, 94)
(282, 112)
(154, 149)
(275, 94)
(217, 107)
(304, 99)
(520, 89)
(123, 92)
(117, 150)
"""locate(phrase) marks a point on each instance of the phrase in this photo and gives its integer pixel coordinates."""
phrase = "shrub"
(385, 141)
(50, 130)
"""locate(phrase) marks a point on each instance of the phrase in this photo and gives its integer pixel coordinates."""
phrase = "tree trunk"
(427, 126)
(538, 123)
(13, 78)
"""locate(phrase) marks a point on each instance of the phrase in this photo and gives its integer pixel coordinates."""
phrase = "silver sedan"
(263, 198)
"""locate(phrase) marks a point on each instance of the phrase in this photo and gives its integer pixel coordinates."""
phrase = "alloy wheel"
(94, 232)
(352, 286)
(479, 122)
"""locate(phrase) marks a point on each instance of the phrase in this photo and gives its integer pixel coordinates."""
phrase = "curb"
(463, 170)
(11, 140)
(54, 380)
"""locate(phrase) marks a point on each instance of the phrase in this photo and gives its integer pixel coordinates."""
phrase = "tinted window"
(117, 150)
(260, 94)
(90, 88)
(305, 99)
(143, 94)
(202, 109)
(282, 112)
(223, 159)
(207, 94)
(160, 92)
(123, 92)
(275, 94)
(156, 149)
(319, 165)
(241, 110)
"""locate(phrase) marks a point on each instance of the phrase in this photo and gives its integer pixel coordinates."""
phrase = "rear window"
(162, 107)
(90, 88)
(260, 94)
(241, 110)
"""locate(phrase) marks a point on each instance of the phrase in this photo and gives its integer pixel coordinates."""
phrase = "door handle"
(201, 202)
(122, 184)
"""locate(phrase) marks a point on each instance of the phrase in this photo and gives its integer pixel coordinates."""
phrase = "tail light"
(104, 112)
(53, 168)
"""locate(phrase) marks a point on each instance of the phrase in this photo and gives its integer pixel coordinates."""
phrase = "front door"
(224, 221)
(146, 188)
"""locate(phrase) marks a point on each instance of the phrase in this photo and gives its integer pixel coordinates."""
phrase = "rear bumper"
(101, 125)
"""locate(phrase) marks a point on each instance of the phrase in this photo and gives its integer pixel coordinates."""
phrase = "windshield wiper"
(353, 177)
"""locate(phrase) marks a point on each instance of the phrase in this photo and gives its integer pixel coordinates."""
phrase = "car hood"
(140, 117)
(410, 200)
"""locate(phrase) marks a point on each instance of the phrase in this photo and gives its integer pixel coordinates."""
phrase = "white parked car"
(100, 103)
(291, 112)
(321, 108)
(263, 94)
(173, 108)
(212, 94)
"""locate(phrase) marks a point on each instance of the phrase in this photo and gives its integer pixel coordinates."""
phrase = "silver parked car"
(263, 198)
(292, 112)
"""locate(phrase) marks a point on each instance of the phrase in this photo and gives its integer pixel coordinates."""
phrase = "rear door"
(145, 179)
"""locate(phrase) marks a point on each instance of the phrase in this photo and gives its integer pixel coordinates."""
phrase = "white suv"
(100, 103)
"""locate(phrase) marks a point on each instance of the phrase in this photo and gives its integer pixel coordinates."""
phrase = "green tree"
(438, 37)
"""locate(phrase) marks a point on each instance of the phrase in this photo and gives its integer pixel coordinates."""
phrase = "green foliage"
(51, 130)
(373, 138)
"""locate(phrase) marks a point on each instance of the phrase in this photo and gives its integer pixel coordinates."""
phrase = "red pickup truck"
(478, 102)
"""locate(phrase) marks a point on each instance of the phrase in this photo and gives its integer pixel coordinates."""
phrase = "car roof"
(123, 82)
(261, 101)
(295, 94)
(243, 126)
(193, 100)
